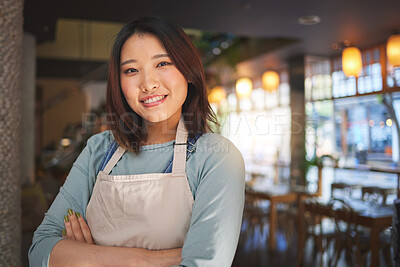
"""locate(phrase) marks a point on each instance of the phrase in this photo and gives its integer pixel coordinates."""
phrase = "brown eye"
(130, 70)
(161, 64)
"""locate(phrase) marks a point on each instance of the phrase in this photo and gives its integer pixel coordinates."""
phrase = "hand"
(76, 228)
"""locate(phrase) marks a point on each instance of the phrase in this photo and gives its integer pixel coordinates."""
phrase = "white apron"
(150, 211)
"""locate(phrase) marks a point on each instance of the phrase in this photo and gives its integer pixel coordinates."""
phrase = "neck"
(162, 132)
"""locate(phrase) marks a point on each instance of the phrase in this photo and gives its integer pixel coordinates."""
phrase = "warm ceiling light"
(351, 61)
(217, 94)
(65, 142)
(393, 50)
(244, 87)
(309, 20)
(270, 80)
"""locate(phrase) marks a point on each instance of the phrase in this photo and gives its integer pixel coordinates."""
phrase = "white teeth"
(153, 99)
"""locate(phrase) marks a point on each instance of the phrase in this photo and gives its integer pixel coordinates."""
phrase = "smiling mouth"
(153, 99)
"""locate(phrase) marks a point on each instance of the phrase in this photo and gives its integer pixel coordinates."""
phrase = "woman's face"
(153, 87)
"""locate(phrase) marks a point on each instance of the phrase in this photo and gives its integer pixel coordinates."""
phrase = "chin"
(155, 118)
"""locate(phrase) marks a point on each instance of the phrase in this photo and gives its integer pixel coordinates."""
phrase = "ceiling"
(362, 22)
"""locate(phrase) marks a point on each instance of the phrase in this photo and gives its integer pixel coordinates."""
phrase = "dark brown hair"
(126, 125)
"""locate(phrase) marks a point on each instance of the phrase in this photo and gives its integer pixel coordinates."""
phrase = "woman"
(158, 189)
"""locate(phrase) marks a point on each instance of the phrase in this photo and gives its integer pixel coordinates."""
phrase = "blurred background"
(309, 91)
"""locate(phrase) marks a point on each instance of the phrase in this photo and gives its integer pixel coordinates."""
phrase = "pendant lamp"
(217, 94)
(351, 61)
(393, 50)
(270, 80)
(244, 86)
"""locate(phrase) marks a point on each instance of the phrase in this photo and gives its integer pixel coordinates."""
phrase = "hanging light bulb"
(270, 80)
(351, 61)
(217, 94)
(244, 86)
(393, 50)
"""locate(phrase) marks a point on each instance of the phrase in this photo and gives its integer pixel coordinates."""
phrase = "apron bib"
(150, 211)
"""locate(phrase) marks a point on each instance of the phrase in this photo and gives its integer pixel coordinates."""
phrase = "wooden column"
(11, 33)
(297, 140)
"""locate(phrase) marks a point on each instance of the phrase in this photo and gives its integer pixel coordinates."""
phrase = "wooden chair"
(255, 217)
(345, 233)
(313, 225)
(384, 238)
(395, 233)
(352, 239)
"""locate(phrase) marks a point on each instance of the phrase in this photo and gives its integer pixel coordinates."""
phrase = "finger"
(68, 228)
(76, 228)
(64, 233)
(85, 229)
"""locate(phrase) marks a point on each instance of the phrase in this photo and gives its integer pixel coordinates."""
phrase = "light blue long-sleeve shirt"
(215, 173)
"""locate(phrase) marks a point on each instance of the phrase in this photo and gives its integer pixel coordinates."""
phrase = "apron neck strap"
(179, 162)
(114, 159)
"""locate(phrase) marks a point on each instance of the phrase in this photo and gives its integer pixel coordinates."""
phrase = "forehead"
(142, 44)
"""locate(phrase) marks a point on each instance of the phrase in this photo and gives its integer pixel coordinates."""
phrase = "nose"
(149, 81)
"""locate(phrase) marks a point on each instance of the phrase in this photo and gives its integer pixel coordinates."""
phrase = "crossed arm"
(79, 249)
(212, 237)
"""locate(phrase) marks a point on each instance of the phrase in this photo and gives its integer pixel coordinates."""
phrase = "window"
(363, 129)
(260, 128)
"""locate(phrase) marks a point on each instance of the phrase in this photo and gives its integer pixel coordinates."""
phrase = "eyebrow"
(133, 60)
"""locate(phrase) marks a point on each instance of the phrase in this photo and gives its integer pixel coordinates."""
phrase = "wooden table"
(274, 195)
(377, 221)
(387, 169)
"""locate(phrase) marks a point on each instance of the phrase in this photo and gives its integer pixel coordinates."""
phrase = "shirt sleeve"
(74, 194)
(218, 208)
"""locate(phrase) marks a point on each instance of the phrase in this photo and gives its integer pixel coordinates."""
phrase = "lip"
(153, 104)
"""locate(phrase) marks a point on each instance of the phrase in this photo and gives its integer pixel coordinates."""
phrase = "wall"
(68, 110)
